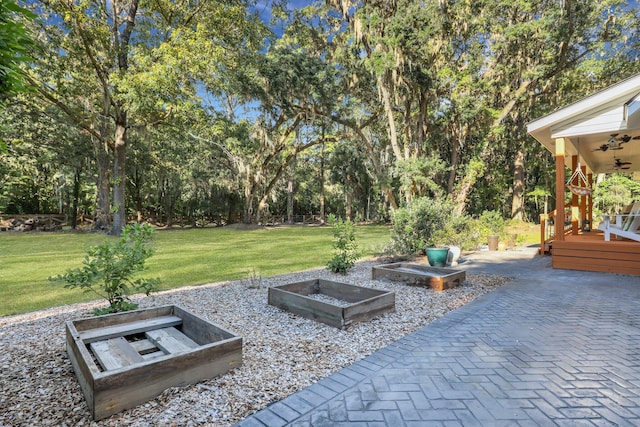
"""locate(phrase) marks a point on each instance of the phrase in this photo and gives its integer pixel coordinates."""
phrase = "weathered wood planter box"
(356, 302)
(125, 359)
(435, 277)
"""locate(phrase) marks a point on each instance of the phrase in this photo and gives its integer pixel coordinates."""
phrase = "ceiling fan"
(615, 142)
(619, 164)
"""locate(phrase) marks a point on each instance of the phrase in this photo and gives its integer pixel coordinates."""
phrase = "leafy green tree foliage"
(348, 172)
(14, 44)
(289, 86)
(41, 174)
(127, 64)
(614, 193)
(109, 267)
(459, 80)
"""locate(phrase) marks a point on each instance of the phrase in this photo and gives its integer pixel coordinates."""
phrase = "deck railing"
(548, 229)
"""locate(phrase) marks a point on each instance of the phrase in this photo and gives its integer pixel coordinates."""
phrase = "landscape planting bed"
(436, 278)
(125, 359)
(333, 303)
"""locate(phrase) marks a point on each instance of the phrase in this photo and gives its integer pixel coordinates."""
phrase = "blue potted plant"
(437, 253)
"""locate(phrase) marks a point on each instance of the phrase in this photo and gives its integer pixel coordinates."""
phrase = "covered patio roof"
(601, 129)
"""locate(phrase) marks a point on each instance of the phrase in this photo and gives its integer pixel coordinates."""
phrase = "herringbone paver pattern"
(551, 349)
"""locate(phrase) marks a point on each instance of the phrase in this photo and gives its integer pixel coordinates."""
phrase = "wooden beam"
(575, 200)
(560, 148)
(583, 201)
(590, 201)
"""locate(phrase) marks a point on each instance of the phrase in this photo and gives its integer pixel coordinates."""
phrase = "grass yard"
(183, 257)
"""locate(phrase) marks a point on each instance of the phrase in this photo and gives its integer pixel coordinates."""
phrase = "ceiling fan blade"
(613, 135)
(636, 137)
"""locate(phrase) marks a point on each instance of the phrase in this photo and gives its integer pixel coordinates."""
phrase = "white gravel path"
(282, 352)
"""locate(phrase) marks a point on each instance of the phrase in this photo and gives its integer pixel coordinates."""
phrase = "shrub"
(421, 223)
(462, 231)
(344, 245)
(492, 223)
(108, 269)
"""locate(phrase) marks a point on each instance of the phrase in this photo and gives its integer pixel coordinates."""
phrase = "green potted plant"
(437, 252)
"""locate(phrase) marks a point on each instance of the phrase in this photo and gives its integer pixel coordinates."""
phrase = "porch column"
(583, 201)
(575, 199)
(590, 200)
(560, 146)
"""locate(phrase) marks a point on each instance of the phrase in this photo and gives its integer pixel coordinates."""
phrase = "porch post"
(559, 232)
(575, 200)
(583, 201)
(590, 200)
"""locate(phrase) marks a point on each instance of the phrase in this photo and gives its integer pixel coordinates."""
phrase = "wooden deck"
(589, 252)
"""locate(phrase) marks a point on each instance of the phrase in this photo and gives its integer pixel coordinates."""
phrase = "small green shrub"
(492, 223)
(344, 245)
(109, 267)
(420, 224)
(462, 231)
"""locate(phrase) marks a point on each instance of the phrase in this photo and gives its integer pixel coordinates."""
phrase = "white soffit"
(608, 121)
(618, 94)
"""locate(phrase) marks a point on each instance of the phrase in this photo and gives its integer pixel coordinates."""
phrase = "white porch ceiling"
(588, 126)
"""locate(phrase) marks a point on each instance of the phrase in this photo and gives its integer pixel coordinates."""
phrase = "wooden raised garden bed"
(437, 278)
(125, 359)
(333, 303)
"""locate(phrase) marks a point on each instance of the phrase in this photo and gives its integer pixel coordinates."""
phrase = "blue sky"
(263, 7)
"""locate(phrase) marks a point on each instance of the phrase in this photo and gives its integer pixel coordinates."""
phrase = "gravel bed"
(282, 352)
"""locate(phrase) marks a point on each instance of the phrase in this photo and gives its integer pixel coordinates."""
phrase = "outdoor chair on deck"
(626, 224)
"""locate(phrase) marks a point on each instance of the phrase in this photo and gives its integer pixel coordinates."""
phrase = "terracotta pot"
(493, 242)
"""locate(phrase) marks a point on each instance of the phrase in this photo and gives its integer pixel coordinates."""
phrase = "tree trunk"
(138, 194)
(119, 175)
(170, 212)
(321, 195)
(517, 203)
(248, 199)
(454, 166)
(459, 137)
(76, 196)
(348, 204)
(388, 109)
(290, 188)
(103, 204)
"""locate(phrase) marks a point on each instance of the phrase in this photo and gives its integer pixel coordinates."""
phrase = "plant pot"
(493, 242)
(454, 256)
(437, 257)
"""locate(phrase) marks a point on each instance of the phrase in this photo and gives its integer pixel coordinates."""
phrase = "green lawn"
(183, 257)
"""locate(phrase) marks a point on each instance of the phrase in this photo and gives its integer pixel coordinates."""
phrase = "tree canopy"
(201, 111)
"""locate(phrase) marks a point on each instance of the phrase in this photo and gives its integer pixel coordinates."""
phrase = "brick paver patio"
(552, 348)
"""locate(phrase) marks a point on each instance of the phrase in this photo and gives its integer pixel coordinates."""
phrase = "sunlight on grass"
(182, 258)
